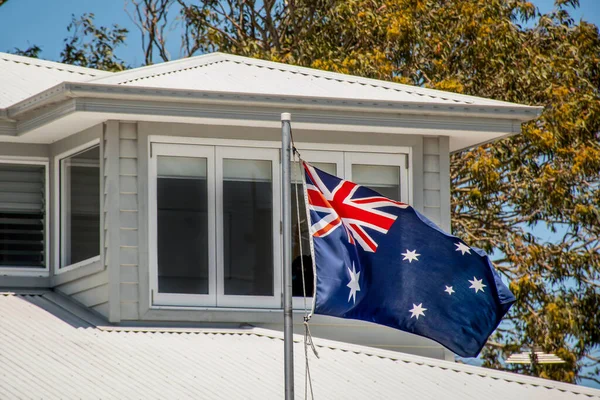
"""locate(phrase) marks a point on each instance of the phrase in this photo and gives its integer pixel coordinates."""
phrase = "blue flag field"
(381, 261)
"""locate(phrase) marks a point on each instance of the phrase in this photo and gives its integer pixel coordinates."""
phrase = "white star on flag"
(417, 310)
(463, 248)
(449, 290)
(410, 256)
(477, 284)
(353, 284)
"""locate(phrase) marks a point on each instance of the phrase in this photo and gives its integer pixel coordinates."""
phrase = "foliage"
(93, 47)
(32, 51)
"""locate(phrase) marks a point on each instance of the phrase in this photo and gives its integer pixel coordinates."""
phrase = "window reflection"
(248, 227)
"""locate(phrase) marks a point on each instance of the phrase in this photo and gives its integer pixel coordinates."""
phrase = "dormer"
(152, 196)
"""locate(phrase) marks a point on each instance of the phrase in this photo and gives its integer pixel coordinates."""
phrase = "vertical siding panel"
(432, 180)
(142, 198)
(445, 183)
(128, 221)
(112, 216)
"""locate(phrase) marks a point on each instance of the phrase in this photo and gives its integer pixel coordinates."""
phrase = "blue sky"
(42, 22)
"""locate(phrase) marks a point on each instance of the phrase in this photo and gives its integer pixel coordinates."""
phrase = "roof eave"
(68, 90)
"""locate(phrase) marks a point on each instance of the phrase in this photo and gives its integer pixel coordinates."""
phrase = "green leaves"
(92, 46)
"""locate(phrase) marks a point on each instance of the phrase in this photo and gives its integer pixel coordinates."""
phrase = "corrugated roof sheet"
(22, 77)
(228, 73)
(48, 351)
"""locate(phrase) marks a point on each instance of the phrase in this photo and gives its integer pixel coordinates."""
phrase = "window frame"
(315, 152)
(181, 299)
(60, 193)
(394, 160)
(33, 271)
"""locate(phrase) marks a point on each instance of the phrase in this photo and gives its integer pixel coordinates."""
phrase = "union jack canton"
(379, 260)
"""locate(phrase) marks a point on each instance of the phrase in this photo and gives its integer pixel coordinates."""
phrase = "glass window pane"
(330, 168)
(384, 179)
(182, 226)
(304, 257)
(248, 227)
(22, 215)
(80, 206)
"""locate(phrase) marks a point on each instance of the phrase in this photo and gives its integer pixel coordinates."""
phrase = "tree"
(88, 46)
(93, 47)
(32, 51)
(505, 194)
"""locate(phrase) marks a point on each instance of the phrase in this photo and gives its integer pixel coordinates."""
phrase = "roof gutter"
(8, 127)
(68, 90)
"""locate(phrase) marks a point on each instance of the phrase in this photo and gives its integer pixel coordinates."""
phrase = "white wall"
(428, 169)
(88, 284)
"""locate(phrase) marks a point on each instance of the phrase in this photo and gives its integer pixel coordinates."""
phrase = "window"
(23, 215)
(185, 227)
(384, 173)
(214, 231)
(79, 203)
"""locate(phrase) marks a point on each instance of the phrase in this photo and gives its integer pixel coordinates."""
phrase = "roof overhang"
(68, 108)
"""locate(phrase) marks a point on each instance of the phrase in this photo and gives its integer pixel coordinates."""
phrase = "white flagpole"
(286, 187)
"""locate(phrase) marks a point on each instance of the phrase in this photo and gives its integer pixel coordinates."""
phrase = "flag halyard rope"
(308, 341)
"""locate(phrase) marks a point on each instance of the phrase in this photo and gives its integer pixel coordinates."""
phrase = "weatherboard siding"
(89, 290)
(436, 181)
(87, 284)
(128, 222)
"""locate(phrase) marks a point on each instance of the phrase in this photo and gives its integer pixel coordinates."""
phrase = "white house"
(149, 200)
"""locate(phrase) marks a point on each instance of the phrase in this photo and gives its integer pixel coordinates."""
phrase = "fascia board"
(463, 132)
(264, 115)
(46, 115)
(90, 90)
(8, 128)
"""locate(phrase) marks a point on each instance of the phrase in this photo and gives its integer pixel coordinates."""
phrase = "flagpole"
(286, 187)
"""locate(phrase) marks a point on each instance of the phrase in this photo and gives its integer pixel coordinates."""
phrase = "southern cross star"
(463, 248)
(353, 284)
(410, 255)
(477, 284)
(417, 310)
(449, 290)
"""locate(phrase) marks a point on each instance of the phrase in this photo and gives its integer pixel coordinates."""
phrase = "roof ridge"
(163, 68)
(53, 65)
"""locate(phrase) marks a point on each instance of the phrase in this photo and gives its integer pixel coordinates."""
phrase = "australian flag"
(379, 260)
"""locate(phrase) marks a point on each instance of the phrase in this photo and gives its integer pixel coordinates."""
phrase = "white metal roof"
(228, 73)
(22, 77)
(48, 350)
